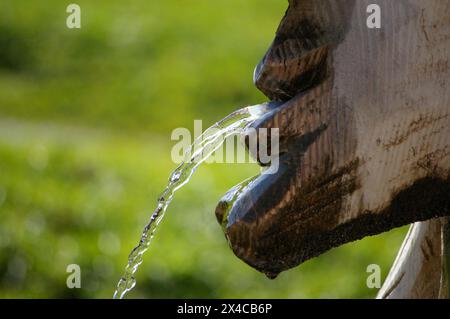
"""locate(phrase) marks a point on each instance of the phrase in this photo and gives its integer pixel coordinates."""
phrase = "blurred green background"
(85, 123)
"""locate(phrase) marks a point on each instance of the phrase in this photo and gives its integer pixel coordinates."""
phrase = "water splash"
(203, 147)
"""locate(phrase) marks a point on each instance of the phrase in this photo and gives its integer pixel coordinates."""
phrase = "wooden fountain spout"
(364, 131)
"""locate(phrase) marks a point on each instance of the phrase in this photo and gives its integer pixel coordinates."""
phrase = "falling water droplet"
(175, 177)
(271, 275)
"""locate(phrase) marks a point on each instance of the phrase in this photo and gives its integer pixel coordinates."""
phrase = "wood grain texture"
(419, 270)
(365, 130)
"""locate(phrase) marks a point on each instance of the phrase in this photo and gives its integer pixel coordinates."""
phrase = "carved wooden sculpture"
(365, 136)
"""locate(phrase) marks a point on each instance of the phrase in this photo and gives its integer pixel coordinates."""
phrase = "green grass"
(85, 123)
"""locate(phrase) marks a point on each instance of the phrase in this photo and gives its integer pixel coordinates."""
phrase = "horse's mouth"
(282, 217)
(251, 213)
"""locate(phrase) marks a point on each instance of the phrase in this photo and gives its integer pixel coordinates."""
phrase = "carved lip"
(248, 211)
(229, 208)
(242, 207)
(251, 215)
(270, 221)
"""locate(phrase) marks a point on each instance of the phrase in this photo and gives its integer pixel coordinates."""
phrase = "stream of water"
(203, 147)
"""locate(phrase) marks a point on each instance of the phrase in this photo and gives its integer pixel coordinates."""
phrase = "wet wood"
(365, 130)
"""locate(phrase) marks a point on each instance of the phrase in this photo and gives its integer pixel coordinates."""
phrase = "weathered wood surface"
(365, 130)
(420, 270)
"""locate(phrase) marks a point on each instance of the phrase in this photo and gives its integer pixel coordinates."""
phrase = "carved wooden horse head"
(364, 122)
